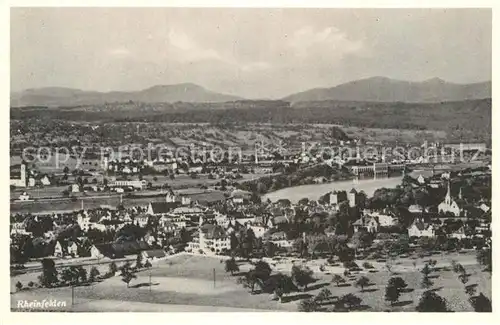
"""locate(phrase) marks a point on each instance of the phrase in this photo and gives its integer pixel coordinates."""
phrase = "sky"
(254, 53)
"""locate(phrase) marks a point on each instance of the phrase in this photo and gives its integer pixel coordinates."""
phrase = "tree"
(282, 284)
(82, 274)
(484, 258)
(308, 305)
(49, 273)
(426, 282)
(470, 290)
(464, 278)
(270, 249)
(392, 293)
(113, 268)
(19, 286)
(249, 280)
(231, 266)
(431, 302)
(398, 283)
(323, 295)
(481, 304)
(338, 279)
(262, 270)
(362, 283)
(426, 270)
(349, 301)
(147, 264)
(302, 276)
(31, 284)
(94, 273)
(127, 275)
(68, 276)
(138, 261)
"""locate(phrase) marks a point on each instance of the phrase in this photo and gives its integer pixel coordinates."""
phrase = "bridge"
(376, 169)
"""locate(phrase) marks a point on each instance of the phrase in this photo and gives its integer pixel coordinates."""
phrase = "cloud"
(119, 52)
(331, 42)
(185, 48)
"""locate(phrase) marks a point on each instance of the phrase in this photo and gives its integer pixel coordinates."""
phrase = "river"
(315, 191)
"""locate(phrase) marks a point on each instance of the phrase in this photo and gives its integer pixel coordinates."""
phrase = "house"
(484, 207)
(24, 197)
(420, 229)
(150, 239)
(209, 239)
(153, 254)
(459, 234)
(73, 249)
(258, 229)
(280, 235)
(58, 250)
(161, 208)
(141, 220)
(31, 181)
(45, 180)
(368, 223)
(449, 204)
(75, 188)
(415, 208)
(118, 249)
(18, 175)
(384, 218)
(239, 196)
(337, 197)
(233, 226)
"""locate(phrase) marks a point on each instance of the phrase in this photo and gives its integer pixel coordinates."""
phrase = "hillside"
(58, 96)
(381, 89)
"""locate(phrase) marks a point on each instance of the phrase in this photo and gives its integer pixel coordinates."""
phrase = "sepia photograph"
(218, 159)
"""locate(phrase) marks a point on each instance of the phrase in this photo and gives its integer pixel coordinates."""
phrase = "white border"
(219, 318)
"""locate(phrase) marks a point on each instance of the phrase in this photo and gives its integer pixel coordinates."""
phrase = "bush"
(367, 265)
(19, 286)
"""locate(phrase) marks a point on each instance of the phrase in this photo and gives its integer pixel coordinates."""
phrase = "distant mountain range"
(58, 96)
(381, 89)
(375, 89)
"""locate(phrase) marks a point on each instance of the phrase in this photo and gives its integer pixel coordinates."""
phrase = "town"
(432, 220)
(170, 159)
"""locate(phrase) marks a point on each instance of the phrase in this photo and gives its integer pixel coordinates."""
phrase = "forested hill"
(467, 119)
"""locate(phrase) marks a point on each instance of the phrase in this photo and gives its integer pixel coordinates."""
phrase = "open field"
(186, 283)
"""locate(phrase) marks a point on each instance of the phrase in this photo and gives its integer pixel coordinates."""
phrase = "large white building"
(210, 239)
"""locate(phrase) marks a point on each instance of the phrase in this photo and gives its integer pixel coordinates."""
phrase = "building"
(18, 175)
(75, 188)
(209, 239)
(118, 250)
(352, 197)
(161, 208)
(368, 223)
(337, 197)
(135, 184)
(24, 197)
(58, 250)
(420, 229)
(449, 204)
(153, 255)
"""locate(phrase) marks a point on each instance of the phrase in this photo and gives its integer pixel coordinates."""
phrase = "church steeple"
(448, 194)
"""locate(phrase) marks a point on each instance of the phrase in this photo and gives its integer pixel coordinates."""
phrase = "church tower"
(447, 199)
